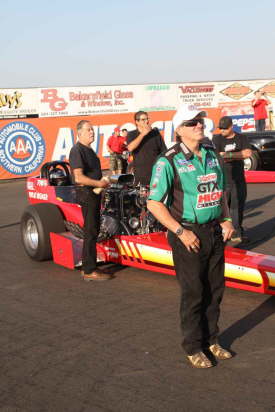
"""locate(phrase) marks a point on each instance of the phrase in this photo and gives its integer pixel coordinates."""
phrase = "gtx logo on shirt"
(209, 194)
(207, 187)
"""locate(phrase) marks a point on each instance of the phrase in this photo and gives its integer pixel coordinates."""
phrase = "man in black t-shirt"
(234, 148)
(87, 176)
(146, 144)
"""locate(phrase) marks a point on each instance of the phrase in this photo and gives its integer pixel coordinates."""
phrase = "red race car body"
(51, 227)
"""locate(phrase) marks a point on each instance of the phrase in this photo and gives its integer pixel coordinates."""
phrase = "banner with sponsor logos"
(232, 97)
(18, 102)
(81, 101)
(25, 144)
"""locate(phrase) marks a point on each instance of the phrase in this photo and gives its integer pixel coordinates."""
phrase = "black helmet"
(58, 177)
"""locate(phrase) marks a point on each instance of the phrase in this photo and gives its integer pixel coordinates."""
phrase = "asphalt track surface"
(67, 345)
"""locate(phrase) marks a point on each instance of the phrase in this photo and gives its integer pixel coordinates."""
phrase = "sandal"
(219, 352)
(199, 360)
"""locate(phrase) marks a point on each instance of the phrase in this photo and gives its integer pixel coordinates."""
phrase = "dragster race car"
(52, 228)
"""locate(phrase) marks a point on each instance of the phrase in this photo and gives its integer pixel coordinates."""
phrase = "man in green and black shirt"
(187, 195)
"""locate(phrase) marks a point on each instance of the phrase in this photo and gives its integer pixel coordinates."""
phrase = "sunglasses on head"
(193, 122)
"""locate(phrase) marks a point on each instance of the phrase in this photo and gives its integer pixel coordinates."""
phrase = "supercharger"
(124, 209)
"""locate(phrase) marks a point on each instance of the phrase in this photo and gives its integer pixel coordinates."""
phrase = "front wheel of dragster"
(37, 222)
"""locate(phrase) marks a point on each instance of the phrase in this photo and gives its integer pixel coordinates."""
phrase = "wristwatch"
(179, 231)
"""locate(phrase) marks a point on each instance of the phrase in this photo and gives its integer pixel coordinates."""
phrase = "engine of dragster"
(124, 209)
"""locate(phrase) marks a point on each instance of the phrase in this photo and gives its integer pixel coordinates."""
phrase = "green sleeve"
(161, 180)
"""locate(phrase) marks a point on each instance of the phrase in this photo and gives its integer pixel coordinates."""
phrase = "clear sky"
(77, 43)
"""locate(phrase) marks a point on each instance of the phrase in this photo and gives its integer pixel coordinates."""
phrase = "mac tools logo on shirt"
(22, 148)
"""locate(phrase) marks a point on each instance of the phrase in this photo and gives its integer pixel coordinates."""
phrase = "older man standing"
(187, 196)
(87, 176)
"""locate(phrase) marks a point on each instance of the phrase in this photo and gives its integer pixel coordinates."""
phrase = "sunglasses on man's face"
(193, 122)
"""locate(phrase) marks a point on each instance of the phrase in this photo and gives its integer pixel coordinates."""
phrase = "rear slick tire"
(37, 222)
(253, 162)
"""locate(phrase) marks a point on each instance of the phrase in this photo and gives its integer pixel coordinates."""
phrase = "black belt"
(190, 225)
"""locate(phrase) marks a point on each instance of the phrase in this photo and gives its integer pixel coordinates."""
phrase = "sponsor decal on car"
(42, 182)
(39, 196)
(30, 185)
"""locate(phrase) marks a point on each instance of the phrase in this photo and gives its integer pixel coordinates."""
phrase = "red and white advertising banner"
(94, 100)
(219, 94)
(233, 98)
(197, 94)
(18, 102)
(83, 101)
(25, 144)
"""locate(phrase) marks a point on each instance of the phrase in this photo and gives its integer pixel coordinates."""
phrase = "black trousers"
(201, 277)
(236, 195)
(90, 203)
(260, 125)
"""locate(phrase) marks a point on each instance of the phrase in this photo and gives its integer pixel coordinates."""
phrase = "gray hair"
(81, 124)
